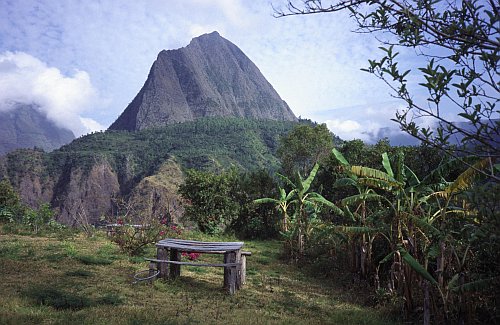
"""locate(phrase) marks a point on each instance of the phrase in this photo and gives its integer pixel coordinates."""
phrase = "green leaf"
(358, 198)
(340, 158)
(478, 285)
(307, 183)
(386, 258)
(342, 182)
(356, 229)
(424, 224)
(387, 164)
(318, 198)
(265, 200)
(416, 266)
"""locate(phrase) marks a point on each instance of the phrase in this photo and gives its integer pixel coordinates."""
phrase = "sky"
(82, 62)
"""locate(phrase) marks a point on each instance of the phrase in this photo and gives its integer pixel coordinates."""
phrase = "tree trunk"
(427, 304)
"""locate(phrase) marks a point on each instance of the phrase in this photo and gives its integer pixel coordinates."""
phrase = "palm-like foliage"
(303, 205)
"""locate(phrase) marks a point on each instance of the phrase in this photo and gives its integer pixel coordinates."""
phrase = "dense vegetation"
(408, 221)
(206, 143)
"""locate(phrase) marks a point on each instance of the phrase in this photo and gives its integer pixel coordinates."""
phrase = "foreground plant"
(304, 204)
(132, 237)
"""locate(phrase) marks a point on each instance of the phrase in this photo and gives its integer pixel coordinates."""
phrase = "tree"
(460, 41)
(212, 199)
(304, 146)
(10, 204)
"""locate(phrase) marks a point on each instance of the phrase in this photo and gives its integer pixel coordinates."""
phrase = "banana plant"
(435, 240)
(363, 232)
(303, 204)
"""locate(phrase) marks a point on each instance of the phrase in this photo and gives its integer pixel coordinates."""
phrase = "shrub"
(212, 196)
(132, 238)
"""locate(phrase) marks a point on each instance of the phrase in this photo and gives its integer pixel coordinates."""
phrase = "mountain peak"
(25, 126)
(209, 77)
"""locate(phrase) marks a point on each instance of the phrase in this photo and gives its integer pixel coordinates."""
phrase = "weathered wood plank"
(194, 246)
(193, 264)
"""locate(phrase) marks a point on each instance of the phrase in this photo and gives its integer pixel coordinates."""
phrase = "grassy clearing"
(88, 281)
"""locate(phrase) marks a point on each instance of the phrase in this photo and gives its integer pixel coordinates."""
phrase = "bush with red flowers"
(132, 236)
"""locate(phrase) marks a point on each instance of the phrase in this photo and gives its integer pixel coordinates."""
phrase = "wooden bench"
(168, 261)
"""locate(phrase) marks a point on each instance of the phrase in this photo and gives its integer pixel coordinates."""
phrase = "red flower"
(176, 229)
(162, 233)
(119, 221)
(163, 221)
(193, 256)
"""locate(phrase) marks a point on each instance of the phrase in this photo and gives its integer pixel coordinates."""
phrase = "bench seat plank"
(192, 264)
(195, 246)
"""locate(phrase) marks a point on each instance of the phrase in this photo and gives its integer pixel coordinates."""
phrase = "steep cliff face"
(24, 126)
(28, 174)
(209, 77)
(86, 195)
(157, 195)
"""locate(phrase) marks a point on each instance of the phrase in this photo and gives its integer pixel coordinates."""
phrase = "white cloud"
(26, 79)
(91, 125)
(366, 122)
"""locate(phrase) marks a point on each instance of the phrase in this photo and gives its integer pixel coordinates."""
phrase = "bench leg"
(243, 273)
(175, 269)
(162, 254)
(239, 273)
(226, 271)
(230, 273)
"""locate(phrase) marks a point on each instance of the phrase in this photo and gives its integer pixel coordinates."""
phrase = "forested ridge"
(209, 143)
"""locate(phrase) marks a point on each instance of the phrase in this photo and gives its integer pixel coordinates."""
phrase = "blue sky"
(82, 62)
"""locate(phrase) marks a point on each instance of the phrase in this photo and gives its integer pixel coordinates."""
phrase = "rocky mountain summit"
(211, 77)
(24, 126)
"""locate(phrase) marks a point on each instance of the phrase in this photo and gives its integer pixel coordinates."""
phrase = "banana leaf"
(358, 198)
(340, 158)
(377, 183)
(318, 198)
(478, 285)
(416, 266)
(412, 180)
(367, 172)
(386, 258)
(466, 179)
(387, 164)
(305, 185)
(356, 229)
(424, 224)
(342, 182)
(265, 200)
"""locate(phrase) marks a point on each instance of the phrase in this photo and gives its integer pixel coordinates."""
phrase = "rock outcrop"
(209, 77)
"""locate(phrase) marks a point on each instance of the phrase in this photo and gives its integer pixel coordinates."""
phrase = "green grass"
(82, 281)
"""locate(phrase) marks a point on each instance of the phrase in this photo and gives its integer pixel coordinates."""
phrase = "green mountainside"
(87, 176)
(203, 144)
